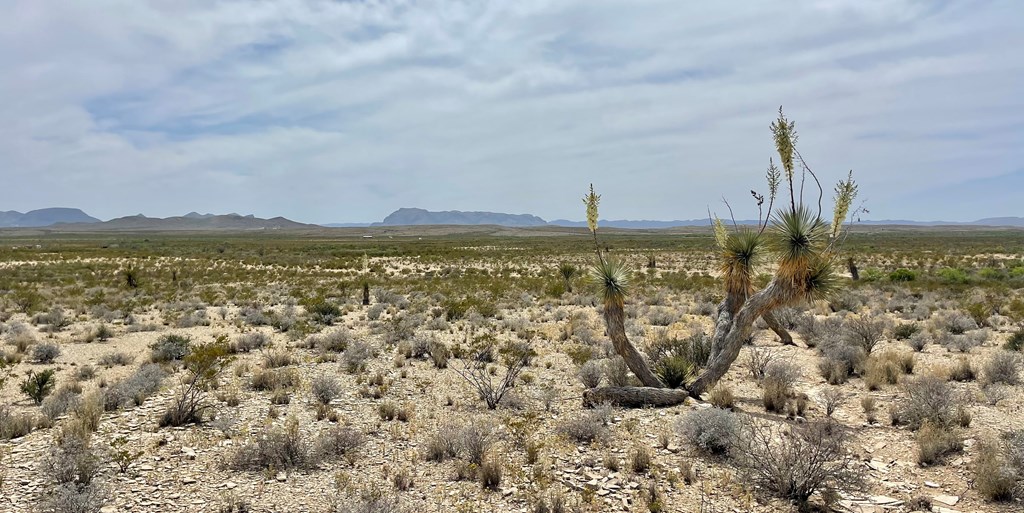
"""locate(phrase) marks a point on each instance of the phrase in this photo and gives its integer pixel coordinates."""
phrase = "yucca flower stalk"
(611, 276)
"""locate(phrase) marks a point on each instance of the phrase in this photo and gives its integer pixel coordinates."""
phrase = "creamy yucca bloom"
(592, 200)
(721, 234)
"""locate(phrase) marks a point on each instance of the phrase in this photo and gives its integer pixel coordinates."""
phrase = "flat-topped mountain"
(44, 217)
(419, 216)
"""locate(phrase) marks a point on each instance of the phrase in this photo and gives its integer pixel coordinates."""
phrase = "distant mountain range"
(44, 217)
(73, 219)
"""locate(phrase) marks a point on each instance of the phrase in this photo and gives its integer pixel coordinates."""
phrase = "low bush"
(15, 425)
(927, 399)
(248, 342)
(275, 448)
(1002, 367)
(811, 458)
(64, 400)
(45, 352)
(586, 428)
(712, 430)
(590, 374)
(116, 359)
(135, 389)
(169, 348)
(995, 475)
(325, 388)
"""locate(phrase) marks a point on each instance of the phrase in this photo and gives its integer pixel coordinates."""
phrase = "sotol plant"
(803, 244)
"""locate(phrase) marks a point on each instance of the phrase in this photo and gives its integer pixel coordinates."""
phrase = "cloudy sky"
(335, 111)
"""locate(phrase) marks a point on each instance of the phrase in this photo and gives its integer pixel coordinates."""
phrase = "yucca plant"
(568, 272)
(804, 246)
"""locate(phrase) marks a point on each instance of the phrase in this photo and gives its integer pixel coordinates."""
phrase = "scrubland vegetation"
(478, 372)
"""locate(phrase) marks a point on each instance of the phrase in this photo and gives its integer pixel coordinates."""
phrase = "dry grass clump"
(15, 425)
(590, 374)
(777, 385)
(999, 468)
(721, 396)
(963, 371)
(886, 368)
(249, 342)
(334, 341)
(115, 359)
(273, 379)
(935, 442)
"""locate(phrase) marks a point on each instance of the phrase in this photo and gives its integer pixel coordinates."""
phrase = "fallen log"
(634, 397)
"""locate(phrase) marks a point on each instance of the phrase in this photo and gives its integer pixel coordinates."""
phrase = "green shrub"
(902, 275)
(38, 385)
(169, 348)
(1016, 341)
(953, 276)
(904, 331)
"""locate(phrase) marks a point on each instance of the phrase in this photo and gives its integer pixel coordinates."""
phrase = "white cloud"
(341, 111)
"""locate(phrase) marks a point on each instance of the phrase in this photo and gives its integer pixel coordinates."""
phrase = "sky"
(343, 111)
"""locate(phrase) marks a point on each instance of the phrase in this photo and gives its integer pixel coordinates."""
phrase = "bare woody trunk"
(634, 397)
(731, 330)
(615, 322)
(774, 324)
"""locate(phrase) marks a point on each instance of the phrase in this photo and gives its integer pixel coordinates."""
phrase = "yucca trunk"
(614, 320)
(731, 330)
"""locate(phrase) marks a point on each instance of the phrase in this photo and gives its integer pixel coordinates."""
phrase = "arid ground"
(242, 372)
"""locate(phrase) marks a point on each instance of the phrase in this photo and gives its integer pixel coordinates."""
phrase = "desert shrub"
(475, 440)
(721, 396)
(170, 347)
(356, 355)
(712, 430)
(958, 324)
(812, 458)
(840, 360)
(905, 330)
(38, 385)
(515, 357)
(616, 371)
(443, 443)
(927, 399)
(640, 459)
(586, 428)
(85, 373)
(254, 316)
(902, 275)
(693, 350)
(325, 388)
(1016, 341)
(1002, 367)
(387, 410)
(864, 331)
(374, 312)
(250, 342)
(886, 368)
(116, 359)
(73, 498)
(135, 389)
(918, 341)
(334, 341)
(662, 316)
(21, 339)
(590, 374)
(275, 448)
(490, 473)
(15, 425)
(831, 399)
(277, 358)
(439, 354)
(995, 477)
(72, 459)
(953, 276)
(777, 385)
(203, 366)
(323, 312)
(273, 379)
(339, 442)
(935, 442)
(64, 400)
(368, 501)
(674, 370)
(758, 360)
(45, 352)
